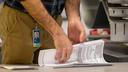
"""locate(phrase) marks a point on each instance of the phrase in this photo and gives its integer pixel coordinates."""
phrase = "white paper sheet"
(18, 67)
(83, 53)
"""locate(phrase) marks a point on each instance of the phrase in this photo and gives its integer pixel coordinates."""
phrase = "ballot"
(83, 54)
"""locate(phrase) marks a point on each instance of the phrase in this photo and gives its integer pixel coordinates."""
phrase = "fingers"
(77, 37)
(69, 52)
(63, 55)
(82, 37)
(74, 38)
(58, 55)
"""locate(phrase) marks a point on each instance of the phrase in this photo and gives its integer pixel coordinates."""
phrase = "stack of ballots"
(84, 54)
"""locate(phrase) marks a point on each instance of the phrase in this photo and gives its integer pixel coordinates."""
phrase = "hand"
(76, 31)
(64, 48)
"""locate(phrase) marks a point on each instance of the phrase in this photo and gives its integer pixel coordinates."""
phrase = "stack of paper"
(84, 54)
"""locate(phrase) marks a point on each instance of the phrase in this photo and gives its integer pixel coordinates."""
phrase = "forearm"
(36, 9)
(72, 9)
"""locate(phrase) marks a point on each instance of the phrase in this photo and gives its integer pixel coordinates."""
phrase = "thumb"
(82, 37)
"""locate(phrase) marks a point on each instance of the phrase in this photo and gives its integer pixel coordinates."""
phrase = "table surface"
(116, 67)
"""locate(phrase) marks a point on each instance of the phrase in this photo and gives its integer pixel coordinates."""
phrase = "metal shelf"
(117, 13)
(118, 1)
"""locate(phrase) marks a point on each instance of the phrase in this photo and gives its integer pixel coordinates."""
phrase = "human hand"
(63, 48)
(76, 31)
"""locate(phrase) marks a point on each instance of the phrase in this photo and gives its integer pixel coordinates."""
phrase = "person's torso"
(54, 7)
